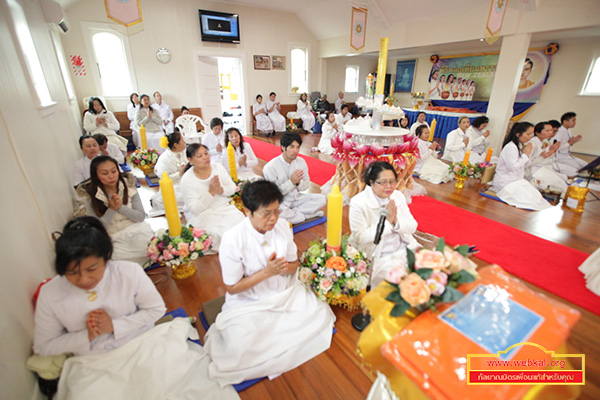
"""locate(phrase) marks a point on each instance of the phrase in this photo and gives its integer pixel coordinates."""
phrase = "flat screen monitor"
(219, 27)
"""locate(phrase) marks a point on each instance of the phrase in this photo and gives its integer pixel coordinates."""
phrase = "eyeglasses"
(269, 214)
(392, 182)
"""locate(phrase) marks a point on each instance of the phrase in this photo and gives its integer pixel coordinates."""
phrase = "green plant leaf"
(441, 245)
(424, 272)
(463, 250)
(410, 260)
(394, 297)
(451, 295)
(400, 309)
(464, 277)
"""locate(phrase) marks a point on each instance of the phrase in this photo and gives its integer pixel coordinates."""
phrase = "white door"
(208, 88)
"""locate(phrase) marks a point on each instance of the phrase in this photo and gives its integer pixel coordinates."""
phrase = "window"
(111, 60)
(30, 55)
(351, 79)
(63, 65)
(299, 68)
(591, 87)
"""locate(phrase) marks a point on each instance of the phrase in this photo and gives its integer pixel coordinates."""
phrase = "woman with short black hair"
(97, 119)
(152, 121)
(245, 158)
(260, 112)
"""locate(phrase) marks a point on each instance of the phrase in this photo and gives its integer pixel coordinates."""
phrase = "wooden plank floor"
(338, 373)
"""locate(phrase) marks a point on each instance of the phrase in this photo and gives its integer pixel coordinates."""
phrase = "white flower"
(362, 282)
(319, 260)
(352, 269)
(161, 232)
(348, 274)
(194, 256)
(338, 273)
(304, 275)
(351, 252)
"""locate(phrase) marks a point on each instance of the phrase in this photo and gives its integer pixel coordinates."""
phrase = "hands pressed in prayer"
(114, 202)
(392, 212)
(215, 186)
(242, 161)
(486, 133)
(297, 176)
(574, 140)
(551, 150)
(527, 149)
(98, 323)
(466, 141)
(219, 147)
(276, 266)
(182, 169)
(433, 146)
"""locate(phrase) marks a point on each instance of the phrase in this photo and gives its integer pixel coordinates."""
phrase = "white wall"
(175, 26)
(36, 195)
(336, 76)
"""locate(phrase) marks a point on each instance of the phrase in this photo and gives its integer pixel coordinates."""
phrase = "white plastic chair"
(187, 127)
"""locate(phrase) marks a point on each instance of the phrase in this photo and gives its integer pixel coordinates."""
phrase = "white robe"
(159, 364)
(509, 183)
(308, 118)
(245, 172)
(328, 133)
(591, 270)
(296, 206)
(81, 170)
(477, 142)
(272, 327)
(211, 141)
(364, 216)
(125, 292)
(154, 128)
(539, 171)
(429, 167)
(277, 120)
(456, 148)
(214, 214)
(131, 115)
(114, 151)
(168, 162)
(263, 123)
(341, 120)
(563, 155)
(413, 127)
(338, 105)
(110, 131)
(166, 114)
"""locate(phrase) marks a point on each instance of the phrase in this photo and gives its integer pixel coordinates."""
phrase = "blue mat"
(125, 167)
(491, 195)
(149, 182)
(137, 183)
(308, 224)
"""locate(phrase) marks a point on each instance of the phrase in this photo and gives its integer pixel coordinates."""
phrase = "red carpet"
(320, 172)
(547, 265)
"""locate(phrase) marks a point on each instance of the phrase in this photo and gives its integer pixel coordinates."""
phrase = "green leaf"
(463, 250)
(424, 272)
(400, 309)
(441, 245)
(394, 297)
(451, 295)
(410, 260)
(464, 277)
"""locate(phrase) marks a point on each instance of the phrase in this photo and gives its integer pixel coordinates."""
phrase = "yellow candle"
(432, 129)
(171, 211)
(467, 156)
(392, 90)
(232, 164)
(488, 156)
(292, 121)
(143, 137)
(382, 65)
(334, 219)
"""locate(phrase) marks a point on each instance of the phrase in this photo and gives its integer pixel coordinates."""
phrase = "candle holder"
(460, 181)
(144, 159)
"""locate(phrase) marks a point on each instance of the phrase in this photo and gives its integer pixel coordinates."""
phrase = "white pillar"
(504, 89)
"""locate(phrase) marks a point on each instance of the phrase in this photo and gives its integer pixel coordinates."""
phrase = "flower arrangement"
(236, 198)
(417, 95)
(330, 275)
(174, 251)
(144, 157)
(430, 277)
(467, 170)
(295, 89)
(292, 127)
(390, 100)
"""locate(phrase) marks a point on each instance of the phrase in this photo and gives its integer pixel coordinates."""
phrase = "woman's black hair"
(516, 131)
(258, 95)
(260, 193)
(91, 105)
(142, 104)
(477, 122)
(183, 108)
(303, 94)
(421, 112)
(539, 127)
(100, 138)
(174, 138)
(83, 137)
(419, 130)
(81, 238)
(288, 138)
(433, 73)
(191, 150)
(216, 121)
(234, 129)
(91, 187)
(372, 172)
(400, 121)
(528, 61)
(131, 98)
(272, 93)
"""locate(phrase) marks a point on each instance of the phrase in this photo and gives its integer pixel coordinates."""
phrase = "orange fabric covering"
(451, 109)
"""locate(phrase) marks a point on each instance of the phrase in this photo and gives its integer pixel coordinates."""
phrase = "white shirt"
(81, 170)
(114, 151)
(89, 123)
(196, 196)
(328, 133)
(341, 120)
(413, 127)
(131, 113)
(275, 110)
(302, 108)
(250, 250)
(477, 142)
(279, 171)
(511, 167)
(251, 160)
(125, 292)
(211, 141)
(170, 162)
(166, 114)
(338, 105)
(563, 135)
(455, 147)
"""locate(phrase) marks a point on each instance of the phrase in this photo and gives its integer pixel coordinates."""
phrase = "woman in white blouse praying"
(274, 108)
(97, 119)
(457, 141)
(263, 123)
(304, 108)
(150, 118)
(132, 109)
(94, 304)
(245, 159)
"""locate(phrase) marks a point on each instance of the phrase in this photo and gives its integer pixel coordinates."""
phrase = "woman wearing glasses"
(366, 209)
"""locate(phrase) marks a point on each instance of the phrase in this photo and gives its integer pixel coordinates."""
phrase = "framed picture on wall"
(405, 76)
(278, 62)
(262, 62)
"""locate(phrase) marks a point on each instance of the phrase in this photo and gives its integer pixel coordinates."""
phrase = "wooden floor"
(338, 373)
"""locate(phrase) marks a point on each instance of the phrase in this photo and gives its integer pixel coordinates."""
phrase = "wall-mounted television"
(219, 27)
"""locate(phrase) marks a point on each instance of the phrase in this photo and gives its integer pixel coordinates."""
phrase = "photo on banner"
(405, 76)
(470, 78)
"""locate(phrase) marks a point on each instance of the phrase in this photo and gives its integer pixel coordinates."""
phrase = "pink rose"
(437, 282)
(361, 267)
(197, 232)
(396, 274)
(166, 255)
(207, 244)
(183, 249)
(193, 246)
(457, 261)
(325, 285)
(414, 290)
(430, 259)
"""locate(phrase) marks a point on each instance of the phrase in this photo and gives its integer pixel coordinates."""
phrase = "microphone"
(383, 213)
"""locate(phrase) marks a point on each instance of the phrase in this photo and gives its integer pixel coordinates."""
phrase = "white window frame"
(30, 62)
(306, 48)
(62, 62)
(89, 29)
(357, 68)
(594, 63)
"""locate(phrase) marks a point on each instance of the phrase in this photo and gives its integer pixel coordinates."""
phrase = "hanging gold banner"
(359, 28)
(494, 21)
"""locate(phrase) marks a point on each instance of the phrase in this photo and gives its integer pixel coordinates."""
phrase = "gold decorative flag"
(125, 12)
(359, 28)
(494, 21)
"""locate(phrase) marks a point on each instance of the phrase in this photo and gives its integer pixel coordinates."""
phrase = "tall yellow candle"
(171, 211)
(334, 219)
(432, 129)
(467, 156)
(382, 65)
(488, 156)
(143, 137)
(232, 164)
(292, 121)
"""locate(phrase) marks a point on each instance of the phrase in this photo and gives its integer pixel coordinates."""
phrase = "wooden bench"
(124, 122)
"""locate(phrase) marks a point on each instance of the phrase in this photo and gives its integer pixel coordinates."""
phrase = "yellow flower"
(164, 142)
